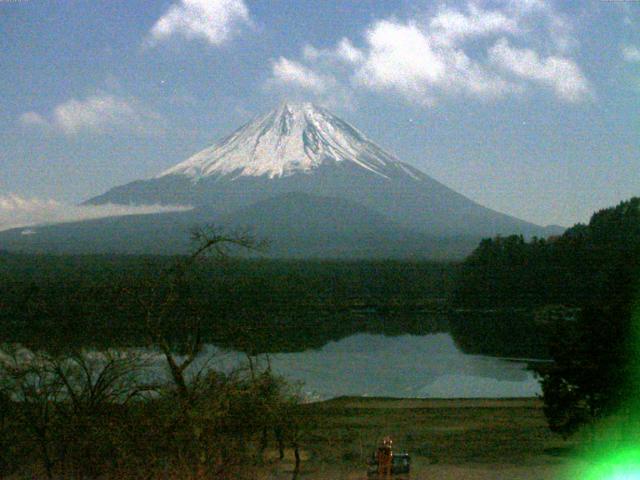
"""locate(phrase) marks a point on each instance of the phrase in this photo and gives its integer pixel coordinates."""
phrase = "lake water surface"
(418, 366)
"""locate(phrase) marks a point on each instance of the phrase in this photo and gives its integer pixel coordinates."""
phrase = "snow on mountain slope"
(293, 138)
(301, 148)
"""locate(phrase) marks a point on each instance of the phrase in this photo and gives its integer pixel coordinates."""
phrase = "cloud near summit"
(294, 73)
(470, 50)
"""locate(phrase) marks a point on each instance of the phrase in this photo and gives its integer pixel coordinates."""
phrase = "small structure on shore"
(385, 463)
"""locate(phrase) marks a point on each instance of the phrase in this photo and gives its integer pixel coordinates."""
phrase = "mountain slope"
(304, 148)
(302, 225)
(296, 225)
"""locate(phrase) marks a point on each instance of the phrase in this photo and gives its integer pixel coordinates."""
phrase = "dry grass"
(447, 439)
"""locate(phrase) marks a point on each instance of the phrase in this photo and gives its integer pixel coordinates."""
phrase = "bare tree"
(67, 403)
(174, 326)
(29, 381)
(93, 381)
(166, 305)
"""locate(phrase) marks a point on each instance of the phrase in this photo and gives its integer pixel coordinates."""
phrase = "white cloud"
(18, 212)
(631, 53)
(345, 52)
(288, 72)
(543, 24)
(403, 57)
(451, 26)
(558, 73)
(214, 21)
(294, 81)
(98, 114)
(457, 51)
(32, 119)
(400, 57)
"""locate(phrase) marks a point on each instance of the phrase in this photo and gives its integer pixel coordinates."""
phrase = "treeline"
(592, 264)
(283, 281)
(250, 305)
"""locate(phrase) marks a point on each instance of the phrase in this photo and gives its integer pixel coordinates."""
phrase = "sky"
(529, 107)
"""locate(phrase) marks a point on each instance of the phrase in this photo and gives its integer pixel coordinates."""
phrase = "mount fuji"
(301, 177)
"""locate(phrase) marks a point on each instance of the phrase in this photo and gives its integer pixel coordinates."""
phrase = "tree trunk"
(296, 453)
(264, 441)
(280, 440)
(48, 464)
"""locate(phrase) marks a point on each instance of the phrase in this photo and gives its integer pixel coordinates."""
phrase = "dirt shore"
(473, 439)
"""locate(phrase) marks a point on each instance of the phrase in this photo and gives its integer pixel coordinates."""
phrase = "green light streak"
(616, 453)
(616, 465)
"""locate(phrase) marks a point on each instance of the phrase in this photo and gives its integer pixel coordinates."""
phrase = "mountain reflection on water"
(419, 366)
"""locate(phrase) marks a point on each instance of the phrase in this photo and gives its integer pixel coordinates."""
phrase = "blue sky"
(530, 107)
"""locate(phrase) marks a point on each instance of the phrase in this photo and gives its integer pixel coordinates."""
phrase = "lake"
(418, 366)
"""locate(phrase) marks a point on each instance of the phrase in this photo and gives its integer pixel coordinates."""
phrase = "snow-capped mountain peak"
(312, 184)
(295, 137)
